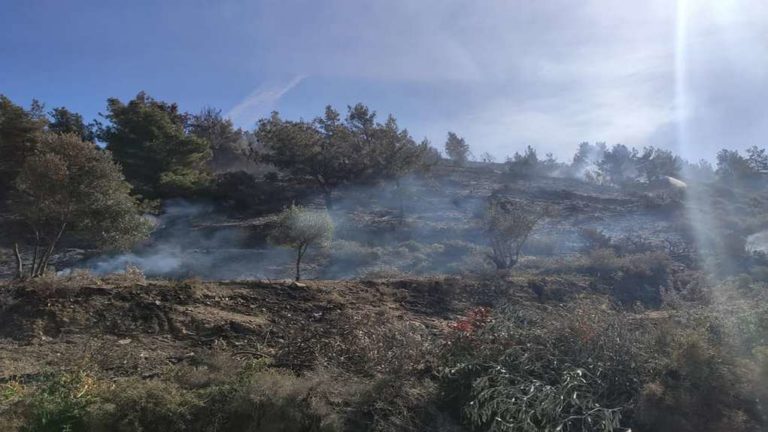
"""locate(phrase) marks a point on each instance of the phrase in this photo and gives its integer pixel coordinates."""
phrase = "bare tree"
(300, 228)
(508, 225)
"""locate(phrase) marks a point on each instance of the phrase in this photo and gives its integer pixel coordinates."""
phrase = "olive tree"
(72, 186)
(299, 228)
(508, 225)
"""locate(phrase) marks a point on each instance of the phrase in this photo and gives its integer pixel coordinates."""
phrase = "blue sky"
(504, 74)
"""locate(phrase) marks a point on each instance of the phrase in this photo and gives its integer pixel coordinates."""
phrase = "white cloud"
(549, 73)
(261, 101)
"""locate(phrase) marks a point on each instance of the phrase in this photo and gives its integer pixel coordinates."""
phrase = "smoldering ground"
(416, 226)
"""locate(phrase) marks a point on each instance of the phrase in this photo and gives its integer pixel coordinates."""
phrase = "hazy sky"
(504, 74)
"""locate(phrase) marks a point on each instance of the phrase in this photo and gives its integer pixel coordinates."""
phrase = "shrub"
(508, 225)
(376, 345)
(701, 389)
(139, 405)
(633, 278)
(572, 369)
(642, 278)
(59, 404)
(398, 404)
(277, 401)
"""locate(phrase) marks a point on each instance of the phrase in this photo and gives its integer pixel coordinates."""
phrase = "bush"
(535, 369)
(60, 403)
(138, 405)
(399, 404)
(701, 389)
(642, 278)
(633, 278)
(508, 225)
(277, 401)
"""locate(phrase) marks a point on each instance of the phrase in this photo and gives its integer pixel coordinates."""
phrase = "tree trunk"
(298, 263)
(19, 262)
(33, 266)
(43, 265)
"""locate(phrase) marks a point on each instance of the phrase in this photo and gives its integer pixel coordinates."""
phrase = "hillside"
(122, 353)
(424, 225)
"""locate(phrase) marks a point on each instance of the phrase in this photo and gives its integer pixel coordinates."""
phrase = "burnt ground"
(439, 232)
(139, 329)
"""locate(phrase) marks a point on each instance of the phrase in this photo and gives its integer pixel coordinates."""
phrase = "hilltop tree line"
(61, 177)
(622, 166)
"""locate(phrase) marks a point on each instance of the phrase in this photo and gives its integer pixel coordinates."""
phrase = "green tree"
(320, 151)
(151, 141)
(457, 149)
(73, 186)
(619, 165)
(300, 228)
(332, 152)
(654, 164)
(731, 166)
(64, 121)
(20, 132)
(393, 152)
(523, 165)
(228, 144)
(757, 158)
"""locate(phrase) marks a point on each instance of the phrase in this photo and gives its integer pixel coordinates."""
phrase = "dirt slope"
(140, 328)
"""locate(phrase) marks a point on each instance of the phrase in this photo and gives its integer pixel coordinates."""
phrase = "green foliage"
(71, 185)
(733, 168)
(619, 165)
(228, 145)
(150, 140)
(330, 151)
(655, 164)
(20, 132)
(701, 388)
(144, 406)
(300, 228)
(60, 403)
(457, 149)
(64, 121)
(568, 369)
(282, 401)
(523, 165)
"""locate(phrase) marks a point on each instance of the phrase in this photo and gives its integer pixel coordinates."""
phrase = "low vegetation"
(623, 290)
